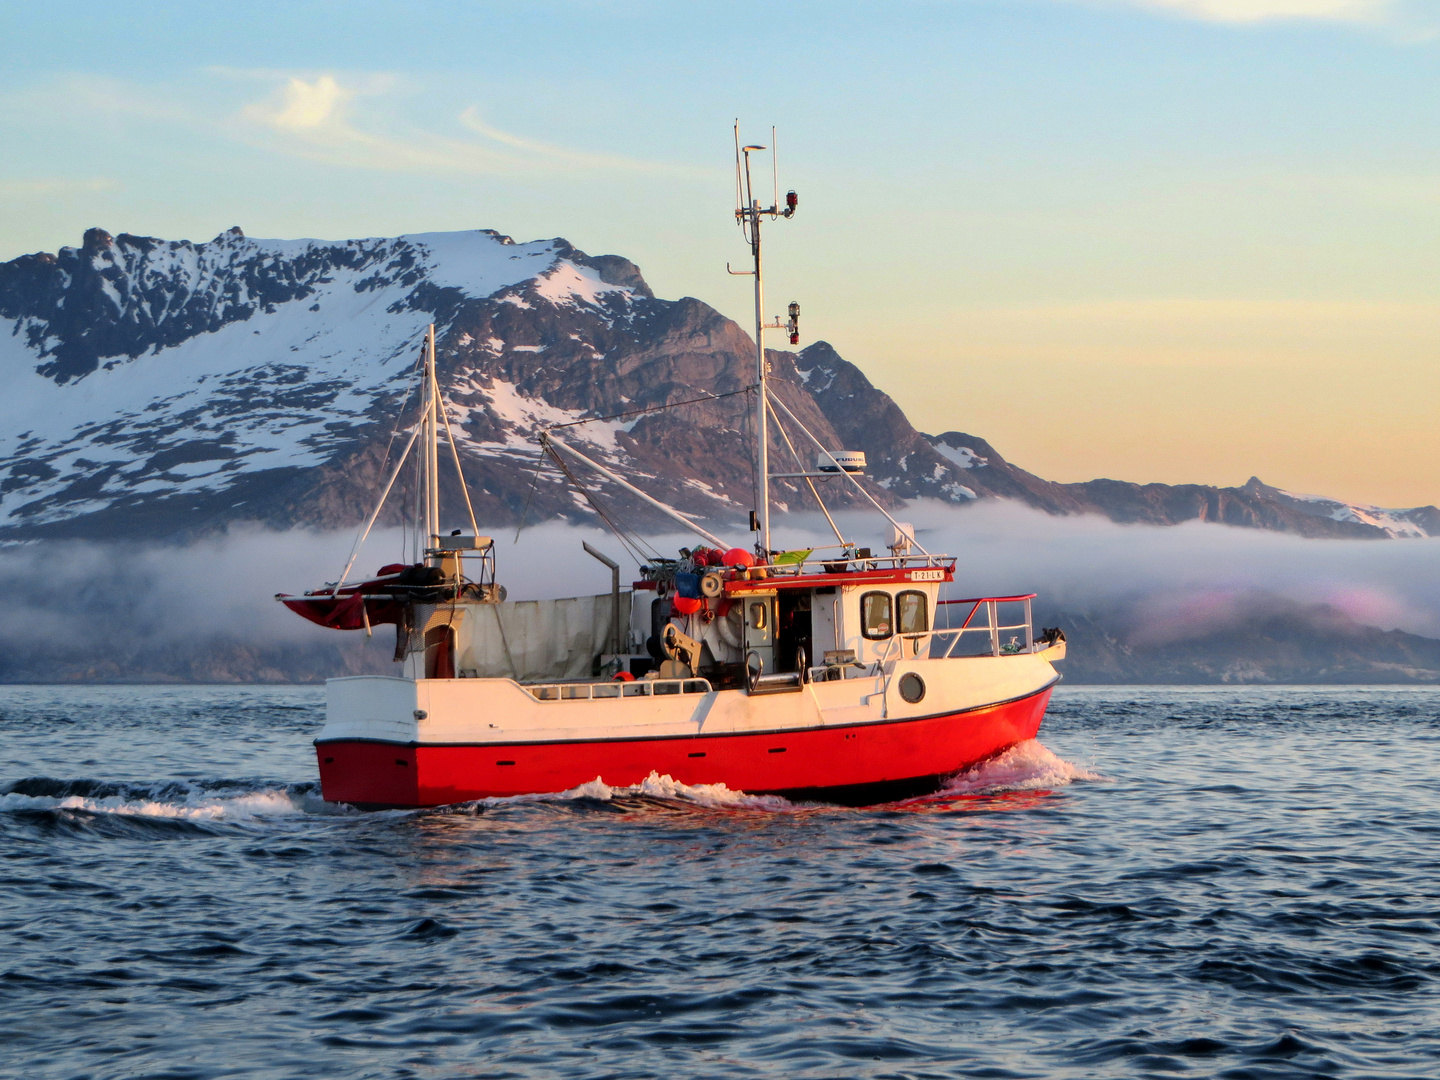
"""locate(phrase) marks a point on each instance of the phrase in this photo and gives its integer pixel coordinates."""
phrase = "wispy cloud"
(1253, 11)
(1371, 12)
(49, 187)
(320, 117)
(556, 156)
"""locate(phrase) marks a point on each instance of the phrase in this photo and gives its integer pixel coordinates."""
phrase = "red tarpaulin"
(347, 610)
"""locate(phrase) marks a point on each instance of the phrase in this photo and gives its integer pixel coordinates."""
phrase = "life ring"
(730, 625)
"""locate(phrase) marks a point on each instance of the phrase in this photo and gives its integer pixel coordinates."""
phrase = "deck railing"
(945, 643)
(1023, 643)
(597, 691)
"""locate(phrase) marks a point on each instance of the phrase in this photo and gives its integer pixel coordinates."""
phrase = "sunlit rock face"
(159, 388)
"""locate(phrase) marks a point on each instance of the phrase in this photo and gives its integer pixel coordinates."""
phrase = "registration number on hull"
(927, 575)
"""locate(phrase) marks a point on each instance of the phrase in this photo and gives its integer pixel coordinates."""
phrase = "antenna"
(739, 192)
(774, 169)
(748, 213)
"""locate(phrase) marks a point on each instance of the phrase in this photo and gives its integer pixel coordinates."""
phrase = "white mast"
(748, 214)
(431, 436)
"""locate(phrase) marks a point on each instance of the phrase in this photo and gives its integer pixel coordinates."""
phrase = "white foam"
(1027, 766)
(199, 806)
(656, 786)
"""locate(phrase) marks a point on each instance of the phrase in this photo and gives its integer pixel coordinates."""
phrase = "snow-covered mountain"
(142, 374)
(156, 388)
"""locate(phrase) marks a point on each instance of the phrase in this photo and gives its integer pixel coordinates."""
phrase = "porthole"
(912, 687)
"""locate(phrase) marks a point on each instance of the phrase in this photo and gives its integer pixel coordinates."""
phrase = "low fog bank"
(1193, 602)
(206, 612)
(1182, 581)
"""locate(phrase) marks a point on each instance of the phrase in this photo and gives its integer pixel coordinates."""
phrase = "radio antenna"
(739, 191)
(749, 213)
(774, 169)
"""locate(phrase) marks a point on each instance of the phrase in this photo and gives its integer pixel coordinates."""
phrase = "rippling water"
(1217, 883)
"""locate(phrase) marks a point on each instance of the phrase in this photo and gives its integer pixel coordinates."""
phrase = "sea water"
(1171, 882)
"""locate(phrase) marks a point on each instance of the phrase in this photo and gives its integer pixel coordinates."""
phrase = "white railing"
(605, 691)
(944, 644)
(1023, 643)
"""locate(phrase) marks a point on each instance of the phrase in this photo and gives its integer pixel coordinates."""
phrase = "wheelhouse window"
(914, 611)
(875, 615)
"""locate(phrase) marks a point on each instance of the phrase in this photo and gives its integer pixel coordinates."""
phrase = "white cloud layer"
(1162, 583)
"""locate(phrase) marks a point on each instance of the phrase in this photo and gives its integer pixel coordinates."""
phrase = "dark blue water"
(1212, 883)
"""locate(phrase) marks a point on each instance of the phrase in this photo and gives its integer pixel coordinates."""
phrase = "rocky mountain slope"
(157, 389)
(1254, 505)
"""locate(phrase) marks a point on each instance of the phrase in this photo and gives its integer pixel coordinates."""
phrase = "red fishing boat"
(831, 678)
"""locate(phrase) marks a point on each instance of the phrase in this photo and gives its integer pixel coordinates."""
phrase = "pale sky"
(1153, 240)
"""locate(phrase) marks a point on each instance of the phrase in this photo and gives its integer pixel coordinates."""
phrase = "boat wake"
(231, 801)
(1030, 766)
(1026, 766)
(657, 788)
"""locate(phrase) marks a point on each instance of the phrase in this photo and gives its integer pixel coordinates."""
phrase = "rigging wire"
(360, 540)
(858, 486)
(809, 482)
(540, 462)
(380, 469)
(632, 541)
(534, 482)
(459, 472)
(652, 408)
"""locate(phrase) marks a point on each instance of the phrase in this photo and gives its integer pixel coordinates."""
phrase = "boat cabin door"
(760, 630)
(793, 631)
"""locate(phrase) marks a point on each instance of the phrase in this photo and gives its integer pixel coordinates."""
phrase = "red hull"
(853, 764)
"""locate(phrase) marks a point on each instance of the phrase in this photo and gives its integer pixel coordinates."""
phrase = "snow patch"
(479, 263)
(571, 284)
(962, 456)
(1395, 522)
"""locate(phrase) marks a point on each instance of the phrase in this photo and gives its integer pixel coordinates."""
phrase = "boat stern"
(366, 751)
